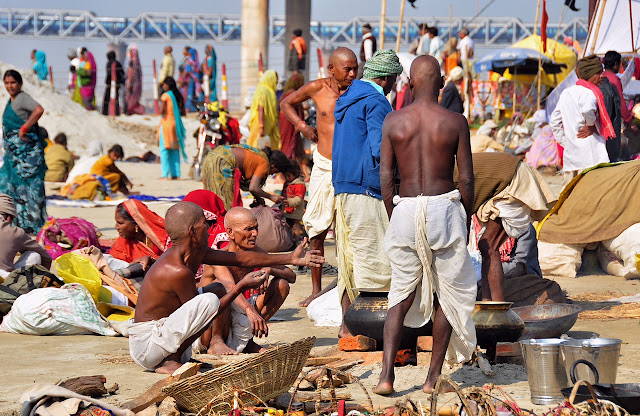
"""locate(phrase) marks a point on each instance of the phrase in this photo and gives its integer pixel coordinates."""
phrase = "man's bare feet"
(384, 388)
(308, 300)
(220, 348)
(445, 387)
(168, 367)
(252, 348)
(344, 332)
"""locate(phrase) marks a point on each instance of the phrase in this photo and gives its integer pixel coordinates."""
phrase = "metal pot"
(496, 322)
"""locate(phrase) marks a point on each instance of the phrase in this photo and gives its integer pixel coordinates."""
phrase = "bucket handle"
(572, 371)
(574, 391)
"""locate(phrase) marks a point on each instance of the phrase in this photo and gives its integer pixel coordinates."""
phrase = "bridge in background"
(487, 32)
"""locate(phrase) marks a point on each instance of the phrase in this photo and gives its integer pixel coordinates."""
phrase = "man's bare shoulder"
(167, 271)
(314, 87)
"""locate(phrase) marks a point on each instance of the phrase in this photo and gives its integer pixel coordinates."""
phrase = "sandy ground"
(27, 360)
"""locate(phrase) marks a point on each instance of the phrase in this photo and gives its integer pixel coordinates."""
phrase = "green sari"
(22, 175)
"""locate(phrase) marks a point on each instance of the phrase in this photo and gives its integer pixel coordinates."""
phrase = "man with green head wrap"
(580, 121)
(361, 218)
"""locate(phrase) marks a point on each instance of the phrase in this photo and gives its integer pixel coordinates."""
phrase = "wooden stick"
(399, 37)
(633, 45)
(535, 27)
(383, 18)
(539, 63)
(601, 10)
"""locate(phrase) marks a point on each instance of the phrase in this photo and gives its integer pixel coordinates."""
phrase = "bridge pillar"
(255, 40)
(298, 16)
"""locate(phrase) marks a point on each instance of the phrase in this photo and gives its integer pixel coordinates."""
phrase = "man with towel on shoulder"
(432, 273)
(580, 121)
(361, 219)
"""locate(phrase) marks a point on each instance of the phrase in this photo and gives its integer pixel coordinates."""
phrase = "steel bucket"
(545, 369)
(604, 353)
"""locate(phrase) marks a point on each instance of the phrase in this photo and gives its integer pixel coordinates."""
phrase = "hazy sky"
(17, 51)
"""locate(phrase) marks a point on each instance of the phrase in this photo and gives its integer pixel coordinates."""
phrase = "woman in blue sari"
(40, 64)
(22, 175)
(189, 80)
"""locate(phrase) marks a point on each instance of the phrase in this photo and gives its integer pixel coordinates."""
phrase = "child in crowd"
(294, 191)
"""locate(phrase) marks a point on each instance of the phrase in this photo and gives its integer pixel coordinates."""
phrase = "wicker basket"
(267, 375)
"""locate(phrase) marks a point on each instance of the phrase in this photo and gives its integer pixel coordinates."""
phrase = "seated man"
(59, 160)
(508, 196)
(172, 313)
(14, 240)
(247, 317)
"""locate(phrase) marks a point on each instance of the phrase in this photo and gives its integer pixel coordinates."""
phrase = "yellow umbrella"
(556, 51)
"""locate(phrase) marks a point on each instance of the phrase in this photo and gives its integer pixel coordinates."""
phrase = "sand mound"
(136, 134)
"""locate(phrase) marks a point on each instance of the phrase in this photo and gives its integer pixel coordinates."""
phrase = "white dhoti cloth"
(361, 222)
(240, 329)
(152, 341)
(526, 198)
(427, 246)
(321, 205)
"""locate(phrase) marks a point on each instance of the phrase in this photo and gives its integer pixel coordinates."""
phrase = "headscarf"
(72, 53)
(209, 51)
(382, 64)
(588, 67)
(295, 82)
(7, 207)
(151, 224)
(456, 74)
(195, 64)
(265, 97)
(41, 66)
(213, 208)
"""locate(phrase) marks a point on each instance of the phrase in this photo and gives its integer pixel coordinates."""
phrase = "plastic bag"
(68, 310)
(325, 310)
(73, 268)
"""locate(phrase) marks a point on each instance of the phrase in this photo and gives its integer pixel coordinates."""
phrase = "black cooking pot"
(625, 395)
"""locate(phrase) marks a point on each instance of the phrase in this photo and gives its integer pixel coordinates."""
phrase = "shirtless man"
(427, 235)
(233, 331)
(172, 313)
(343, 67)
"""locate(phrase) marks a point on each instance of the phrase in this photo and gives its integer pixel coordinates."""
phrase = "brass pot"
(496, 322)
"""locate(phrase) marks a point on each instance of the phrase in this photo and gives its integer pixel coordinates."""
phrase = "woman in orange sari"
(142, 235)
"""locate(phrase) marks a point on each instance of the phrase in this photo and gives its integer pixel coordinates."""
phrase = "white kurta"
(576, 108)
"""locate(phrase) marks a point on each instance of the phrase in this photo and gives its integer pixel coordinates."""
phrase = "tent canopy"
(520, 60)
(556, 51)
(615, 24)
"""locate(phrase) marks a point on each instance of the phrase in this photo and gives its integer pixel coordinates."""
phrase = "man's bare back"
(324, 92)
(422, 141)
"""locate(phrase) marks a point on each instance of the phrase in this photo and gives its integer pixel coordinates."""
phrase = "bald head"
(341, 54)
(425, 74)
(238, 215)
(180, 218)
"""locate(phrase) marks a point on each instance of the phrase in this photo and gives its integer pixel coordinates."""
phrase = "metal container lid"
(593, 342)
(546, 342)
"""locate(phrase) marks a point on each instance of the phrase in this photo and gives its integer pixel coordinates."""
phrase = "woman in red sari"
(291, 139)
(214, 213)
(142, 235)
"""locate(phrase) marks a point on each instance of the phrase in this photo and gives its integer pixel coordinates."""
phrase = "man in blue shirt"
(361, 218)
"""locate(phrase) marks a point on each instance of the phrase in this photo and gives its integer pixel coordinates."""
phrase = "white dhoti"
(321, 205)
(152, 341)
(240, 328)
(526, 198)
(427, 246)
(361, 222)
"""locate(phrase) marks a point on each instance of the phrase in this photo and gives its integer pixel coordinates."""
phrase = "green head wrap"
(589, 66)
(382, 64)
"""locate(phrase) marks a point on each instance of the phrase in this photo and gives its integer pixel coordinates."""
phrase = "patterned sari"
(22, 175)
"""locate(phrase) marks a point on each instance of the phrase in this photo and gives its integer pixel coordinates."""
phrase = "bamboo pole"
(535, 27)
(539, 86)
(383, 18)
(633, 45)
(450, 19)
(399, 37)
(601, 10)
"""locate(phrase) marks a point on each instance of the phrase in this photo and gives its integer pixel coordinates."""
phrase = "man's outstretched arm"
(298, 257)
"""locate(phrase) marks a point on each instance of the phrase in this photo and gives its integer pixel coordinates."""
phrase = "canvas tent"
(615, 27)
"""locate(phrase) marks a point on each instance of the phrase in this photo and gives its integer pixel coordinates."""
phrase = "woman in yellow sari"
(264, 112)
(106, 167)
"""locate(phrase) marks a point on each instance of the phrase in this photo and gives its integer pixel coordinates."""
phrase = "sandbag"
(612, 265)
(625, 247)
(68, 310)
(560, 259)
(274, 235)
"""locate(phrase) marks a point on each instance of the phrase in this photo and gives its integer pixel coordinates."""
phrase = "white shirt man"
(436, 45)
(577, 108)
(465, 46)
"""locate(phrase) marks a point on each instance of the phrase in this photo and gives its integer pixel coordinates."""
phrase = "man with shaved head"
(172, 313)
(343, 67)
(233, 331)
(432, 277)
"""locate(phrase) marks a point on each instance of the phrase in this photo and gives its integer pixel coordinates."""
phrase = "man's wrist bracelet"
(299, 124)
